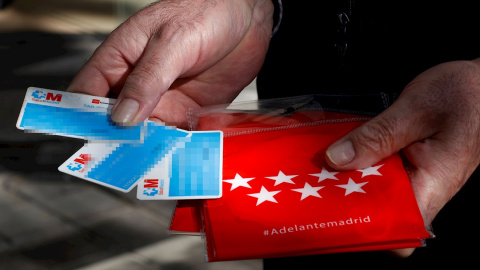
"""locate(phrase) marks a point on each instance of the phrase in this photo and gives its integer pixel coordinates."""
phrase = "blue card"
(192, 170)
(121, 165)
(73, 115)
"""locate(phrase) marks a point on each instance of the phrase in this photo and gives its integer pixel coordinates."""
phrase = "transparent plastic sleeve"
(280, 197)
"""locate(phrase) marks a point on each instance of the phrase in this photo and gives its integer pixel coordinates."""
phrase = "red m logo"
(83, 159)
(151, 183)
(57, 97)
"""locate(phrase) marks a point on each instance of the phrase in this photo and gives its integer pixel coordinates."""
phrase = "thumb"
(379, 138)
(160, 64)
(143, 89)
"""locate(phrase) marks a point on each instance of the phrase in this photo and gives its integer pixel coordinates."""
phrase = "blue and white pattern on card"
(87, 157)
(130, 162)
(165, 162)
(121, 165)
(197, 168)
(192, 170)
(73, 115)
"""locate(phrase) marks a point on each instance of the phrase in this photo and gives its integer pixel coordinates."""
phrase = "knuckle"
(144, 76)
(377, 135)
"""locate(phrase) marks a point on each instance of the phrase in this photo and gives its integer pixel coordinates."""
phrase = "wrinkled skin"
(435, 123)
(174, 55)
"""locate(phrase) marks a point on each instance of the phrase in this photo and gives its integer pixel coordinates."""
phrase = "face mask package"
(280, 198)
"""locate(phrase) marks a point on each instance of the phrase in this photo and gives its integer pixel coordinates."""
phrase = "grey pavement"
(50, 220)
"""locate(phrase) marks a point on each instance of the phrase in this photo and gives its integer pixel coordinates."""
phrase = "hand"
(435, 123)
(175, 55)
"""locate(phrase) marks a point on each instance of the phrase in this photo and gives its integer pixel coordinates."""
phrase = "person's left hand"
(435, 123)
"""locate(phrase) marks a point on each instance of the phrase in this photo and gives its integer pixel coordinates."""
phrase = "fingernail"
(125, 111)
(342, 153)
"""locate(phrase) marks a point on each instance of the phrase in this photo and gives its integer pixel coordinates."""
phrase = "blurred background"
(50, 220)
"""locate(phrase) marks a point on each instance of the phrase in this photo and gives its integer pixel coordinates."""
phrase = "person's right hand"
(178, 54)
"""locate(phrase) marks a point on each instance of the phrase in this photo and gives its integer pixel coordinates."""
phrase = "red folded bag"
(280, 198)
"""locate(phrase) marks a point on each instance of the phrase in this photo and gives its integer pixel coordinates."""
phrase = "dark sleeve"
(388, 44)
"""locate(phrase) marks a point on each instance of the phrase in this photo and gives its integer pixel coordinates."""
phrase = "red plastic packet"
(280, 198)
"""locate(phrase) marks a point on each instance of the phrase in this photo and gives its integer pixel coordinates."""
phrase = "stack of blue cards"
(163, 162)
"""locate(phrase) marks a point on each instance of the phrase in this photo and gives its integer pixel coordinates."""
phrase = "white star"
(325, 175)
(239, 181)
(352, 187)
(264, 195)
(149, 191)
(308, 190)
(370, 171)
(282, 178)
